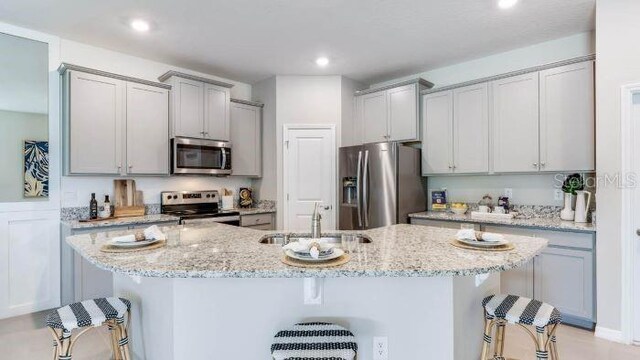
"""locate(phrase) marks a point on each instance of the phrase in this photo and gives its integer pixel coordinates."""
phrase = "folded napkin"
(470, 234)
(153, 233)
(310, 246)
(124, 239)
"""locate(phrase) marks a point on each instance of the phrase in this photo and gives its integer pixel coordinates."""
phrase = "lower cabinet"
(29, 262)
(82, 280)
(563, 275)
(259, 221)
(444, 224)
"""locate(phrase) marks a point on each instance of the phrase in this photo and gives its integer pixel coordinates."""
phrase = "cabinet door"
(29, 262)
(246, 140)
(147, 129)
(403, 113)
(567, 134)
(216, 112)
(515, 124)
(564, 278)
(471, 129)
(437, 157)
(188, 108)
(96, 119)
(374, 117)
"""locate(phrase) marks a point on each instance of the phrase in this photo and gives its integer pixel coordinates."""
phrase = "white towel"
(124, 239)
(153, 233)
(470, 234)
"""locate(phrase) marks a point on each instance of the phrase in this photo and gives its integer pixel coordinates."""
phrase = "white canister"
(227, 202)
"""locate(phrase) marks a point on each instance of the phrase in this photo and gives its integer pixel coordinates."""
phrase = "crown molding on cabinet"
(513, 73)
(247, 102)
(420, 81)
(65, 66)
(171, 73)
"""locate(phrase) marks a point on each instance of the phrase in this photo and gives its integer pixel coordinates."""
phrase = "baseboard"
(609, 334)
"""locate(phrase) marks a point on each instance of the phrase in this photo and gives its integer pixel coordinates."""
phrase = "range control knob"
(175, 197)
(208, 196)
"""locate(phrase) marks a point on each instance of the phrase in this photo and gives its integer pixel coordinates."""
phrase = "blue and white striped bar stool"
(502, 309)
(314, 340)
(89, 314)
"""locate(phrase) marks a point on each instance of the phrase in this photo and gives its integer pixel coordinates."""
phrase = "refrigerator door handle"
(358, 188)
(365, 189)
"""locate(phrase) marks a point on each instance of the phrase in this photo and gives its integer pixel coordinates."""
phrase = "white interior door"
(635, 243)
(309, 176)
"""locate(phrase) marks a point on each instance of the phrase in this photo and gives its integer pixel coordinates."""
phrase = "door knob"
(328, 207)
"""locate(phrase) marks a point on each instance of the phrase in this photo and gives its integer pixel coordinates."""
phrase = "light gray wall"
(348, 88)
(618, 64)
(15, 128)
(266, 187)
(527, 189)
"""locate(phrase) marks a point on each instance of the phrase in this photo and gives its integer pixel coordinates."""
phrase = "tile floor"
(23, 338)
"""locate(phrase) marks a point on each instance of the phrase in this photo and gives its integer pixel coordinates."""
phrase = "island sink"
(279, 239)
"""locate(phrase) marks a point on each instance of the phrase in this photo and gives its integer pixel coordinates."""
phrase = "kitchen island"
(216, 292)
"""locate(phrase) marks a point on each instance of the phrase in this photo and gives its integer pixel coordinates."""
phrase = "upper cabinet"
(390, 113)
(113, 124)
(455, 138)
(515, 124)
(537, 121)
(567, 112)
(246, 138)
(200, 106)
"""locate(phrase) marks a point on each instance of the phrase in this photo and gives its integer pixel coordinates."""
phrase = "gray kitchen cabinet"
(471, 129)
(216, 112)
(567, 112)
(437, 145)
(95, 112)
(563, 275)
(515, 124)
(147, 130)
(187, 99)
(200, 106)
(113, 124)
(374, 117)
(246, 138)
(403, 122)
(391, 113)
(258, 221)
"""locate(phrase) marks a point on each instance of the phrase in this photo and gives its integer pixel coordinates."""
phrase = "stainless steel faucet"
(316, 229)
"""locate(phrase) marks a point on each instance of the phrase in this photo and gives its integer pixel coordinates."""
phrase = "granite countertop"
(255, 211)
(124, 221)
(222, 251)
(535, 222)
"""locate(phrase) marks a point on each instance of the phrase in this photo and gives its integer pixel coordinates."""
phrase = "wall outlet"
(558, 194)
(380, 348)
(508, 192)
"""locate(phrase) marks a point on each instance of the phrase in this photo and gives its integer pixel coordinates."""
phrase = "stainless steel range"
(197, 207)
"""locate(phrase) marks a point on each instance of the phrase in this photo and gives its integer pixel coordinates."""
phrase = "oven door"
(228, 220)
(199, 156)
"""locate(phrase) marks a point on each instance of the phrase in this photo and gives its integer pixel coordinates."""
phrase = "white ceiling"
(249, 40)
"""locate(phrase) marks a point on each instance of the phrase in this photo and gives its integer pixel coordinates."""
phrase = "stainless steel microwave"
(200, 156)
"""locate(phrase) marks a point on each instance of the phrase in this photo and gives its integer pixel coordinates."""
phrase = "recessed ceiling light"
(322, 61)
(505, 4)
(140, 25)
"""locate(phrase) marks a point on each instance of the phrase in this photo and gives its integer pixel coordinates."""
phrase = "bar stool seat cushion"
(521, 310)
(315, 340)
(88, 313)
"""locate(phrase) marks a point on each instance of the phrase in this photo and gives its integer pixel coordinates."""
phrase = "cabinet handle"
(535, 164)
(542, 164)
(450, 167)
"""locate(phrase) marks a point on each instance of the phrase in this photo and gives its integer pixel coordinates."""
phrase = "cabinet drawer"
(444, 224)
(556, 238)
(261, 227)
(258, 219)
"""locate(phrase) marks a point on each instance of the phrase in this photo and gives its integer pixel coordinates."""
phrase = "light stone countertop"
(123, 221)
(222, 251)
(534, 223)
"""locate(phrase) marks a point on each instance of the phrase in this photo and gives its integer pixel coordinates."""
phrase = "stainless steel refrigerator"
(380, 185)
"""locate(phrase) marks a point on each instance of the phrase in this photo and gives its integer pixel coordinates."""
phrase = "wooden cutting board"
(124, 192)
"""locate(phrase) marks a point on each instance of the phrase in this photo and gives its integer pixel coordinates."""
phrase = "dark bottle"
(93, 207)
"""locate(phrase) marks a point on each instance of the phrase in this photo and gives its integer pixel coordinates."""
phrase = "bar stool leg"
(541, 344)
(64, 351)
(124, 340)
(499, 349)
(114, 331)
(486, 344)
(553, 348)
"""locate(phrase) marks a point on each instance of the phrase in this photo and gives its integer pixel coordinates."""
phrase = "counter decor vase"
(567, 212)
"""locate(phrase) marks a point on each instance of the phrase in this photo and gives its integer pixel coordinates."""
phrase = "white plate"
(132, 244)
(336, 254)
(484, 243)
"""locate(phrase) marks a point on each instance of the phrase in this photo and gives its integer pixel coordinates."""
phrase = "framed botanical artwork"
(36, 168)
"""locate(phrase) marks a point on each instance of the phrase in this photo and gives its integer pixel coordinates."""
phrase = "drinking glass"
(349, 242)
